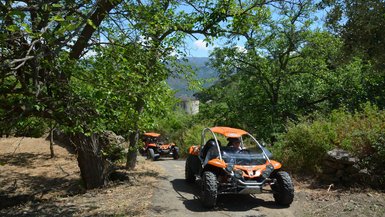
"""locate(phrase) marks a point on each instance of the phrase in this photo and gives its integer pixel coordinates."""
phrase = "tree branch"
(103, 8)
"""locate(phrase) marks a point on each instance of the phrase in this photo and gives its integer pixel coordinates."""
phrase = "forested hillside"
(201, 74)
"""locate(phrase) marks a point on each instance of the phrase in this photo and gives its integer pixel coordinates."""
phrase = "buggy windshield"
(242, 148)
(243, 157)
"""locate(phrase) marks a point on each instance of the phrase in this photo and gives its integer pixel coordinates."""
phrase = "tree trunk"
(132, 153)
(94, 168)
(51, 142)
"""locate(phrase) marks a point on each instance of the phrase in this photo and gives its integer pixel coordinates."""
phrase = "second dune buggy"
(154, 147)
(229, 170)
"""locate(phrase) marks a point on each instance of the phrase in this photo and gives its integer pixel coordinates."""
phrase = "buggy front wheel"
(283, 189)
(209, 189)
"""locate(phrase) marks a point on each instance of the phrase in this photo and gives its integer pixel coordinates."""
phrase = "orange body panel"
(151, 145)
(276, 164)
(217, 163)
(248, 171)
(194, 150)
(251, 171)
(165, 146)
(152, 134)
(228, 131)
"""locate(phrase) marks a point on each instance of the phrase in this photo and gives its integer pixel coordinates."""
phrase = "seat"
(209, 144)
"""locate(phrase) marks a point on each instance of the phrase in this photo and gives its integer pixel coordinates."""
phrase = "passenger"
(234, 143)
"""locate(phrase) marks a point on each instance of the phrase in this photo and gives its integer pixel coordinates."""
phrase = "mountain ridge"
(202, 72)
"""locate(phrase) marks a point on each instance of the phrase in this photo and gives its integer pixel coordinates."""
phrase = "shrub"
(192, 136)
(304, 144)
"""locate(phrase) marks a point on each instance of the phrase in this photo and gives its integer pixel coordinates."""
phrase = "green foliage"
(191, 136)
(31, 127)
(126, 87)
(305, 143)
(182, 129)
(173, 123)
(360, 24)
(290, 70)
(284, 73)
(363, 134)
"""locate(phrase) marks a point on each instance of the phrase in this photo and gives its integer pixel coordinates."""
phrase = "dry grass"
(33, 184)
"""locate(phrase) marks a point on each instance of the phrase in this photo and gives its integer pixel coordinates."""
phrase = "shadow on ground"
(229, 202)
(23, 159)
(36, 208)
(35, 187)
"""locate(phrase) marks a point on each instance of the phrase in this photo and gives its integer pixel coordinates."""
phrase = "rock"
(111, 138)
(113, 145)
(328, 170)
(353, 169)
(341, 156)
(364, 172)
(332, 164)
(340, 173)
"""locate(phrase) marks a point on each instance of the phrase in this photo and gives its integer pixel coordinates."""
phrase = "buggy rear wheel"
(283, 189)
(188, 171)
(209, 189)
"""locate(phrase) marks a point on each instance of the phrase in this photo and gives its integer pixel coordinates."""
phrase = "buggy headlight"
(238, 174)
(229, 167)
(269, 169)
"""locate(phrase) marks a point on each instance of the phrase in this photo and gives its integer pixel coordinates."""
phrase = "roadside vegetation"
(303, 146)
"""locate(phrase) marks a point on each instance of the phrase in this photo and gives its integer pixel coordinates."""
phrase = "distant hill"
(203, 72)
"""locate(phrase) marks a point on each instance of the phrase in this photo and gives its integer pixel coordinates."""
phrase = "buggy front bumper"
(238, 186)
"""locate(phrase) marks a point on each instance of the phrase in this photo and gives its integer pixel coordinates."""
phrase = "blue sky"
(196, 47)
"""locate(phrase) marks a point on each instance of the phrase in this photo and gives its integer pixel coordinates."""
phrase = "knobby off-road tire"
(283, 189)
(151, 154)
(209, 189)
(188, 172)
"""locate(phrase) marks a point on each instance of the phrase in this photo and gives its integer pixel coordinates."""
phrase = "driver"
(234, 143)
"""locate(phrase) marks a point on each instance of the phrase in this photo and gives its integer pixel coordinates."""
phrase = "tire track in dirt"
(174, 197)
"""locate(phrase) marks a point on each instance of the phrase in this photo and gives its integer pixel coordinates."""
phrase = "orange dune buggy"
(154, 147)
(229, 170)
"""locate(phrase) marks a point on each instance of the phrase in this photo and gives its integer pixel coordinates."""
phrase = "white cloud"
(241, 49)
(90, 53)
(200, 44)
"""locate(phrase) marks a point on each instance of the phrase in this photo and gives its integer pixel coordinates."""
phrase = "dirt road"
(174, 197)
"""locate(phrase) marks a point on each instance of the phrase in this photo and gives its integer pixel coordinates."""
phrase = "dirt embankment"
(32, 184)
